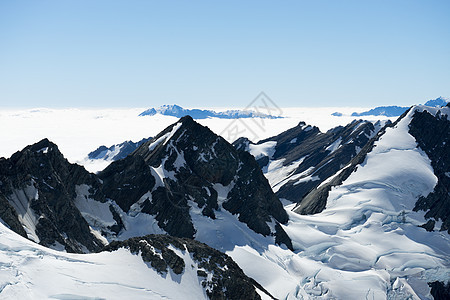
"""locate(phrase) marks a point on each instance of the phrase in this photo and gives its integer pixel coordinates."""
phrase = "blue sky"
(222, 53)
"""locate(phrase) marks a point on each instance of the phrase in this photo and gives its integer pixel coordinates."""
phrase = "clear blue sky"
(222, 53)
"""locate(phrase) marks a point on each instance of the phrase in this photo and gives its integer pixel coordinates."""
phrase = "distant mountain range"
(388, 111)
(395, 111)
(438, 102)
(179, 112)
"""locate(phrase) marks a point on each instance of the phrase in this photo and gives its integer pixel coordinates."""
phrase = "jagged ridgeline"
(299, 159)
(186, 172)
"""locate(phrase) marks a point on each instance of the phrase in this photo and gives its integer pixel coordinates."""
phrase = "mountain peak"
(187, 168)
(186, 120)
(172, 106)
(44, 143)
(43, 147)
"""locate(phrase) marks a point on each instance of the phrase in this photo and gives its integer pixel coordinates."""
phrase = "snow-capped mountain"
(301, 158)
(179, 112)
(117, 151)
(186, 176)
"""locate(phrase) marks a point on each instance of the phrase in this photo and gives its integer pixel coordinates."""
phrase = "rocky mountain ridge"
(301, 158)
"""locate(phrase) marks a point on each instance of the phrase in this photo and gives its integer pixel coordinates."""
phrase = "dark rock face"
(281, 237)
(116, 152)
(187, 163)
(9, 216)
(261, 202)
(432, 133)
(439, 290)
(227, 281)
(322, 154)
(127, 180)
(42, 170)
